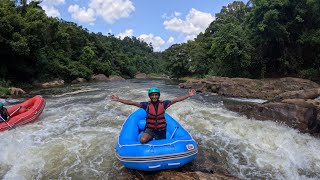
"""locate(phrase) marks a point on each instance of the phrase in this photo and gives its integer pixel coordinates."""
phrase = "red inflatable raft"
(23, 113)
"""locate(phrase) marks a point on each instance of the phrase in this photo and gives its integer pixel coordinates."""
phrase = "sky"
(160, 22)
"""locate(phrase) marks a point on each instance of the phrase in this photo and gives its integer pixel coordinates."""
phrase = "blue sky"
(161, 22)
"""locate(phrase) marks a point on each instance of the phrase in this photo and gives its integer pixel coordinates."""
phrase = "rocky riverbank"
(292, 101)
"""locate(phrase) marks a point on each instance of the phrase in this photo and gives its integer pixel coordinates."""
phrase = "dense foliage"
(36, 47)
(259, 39)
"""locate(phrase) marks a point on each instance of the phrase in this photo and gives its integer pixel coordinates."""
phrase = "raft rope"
(156, 158)
(155, 145)
(15, 111)
(175, 129)
(5, 122)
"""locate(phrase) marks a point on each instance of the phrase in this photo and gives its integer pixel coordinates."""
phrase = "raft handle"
(173, 164)
(152, 167)
(175, 130)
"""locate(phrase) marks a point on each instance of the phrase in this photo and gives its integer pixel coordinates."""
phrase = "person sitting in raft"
(3, 112)
(156, 123)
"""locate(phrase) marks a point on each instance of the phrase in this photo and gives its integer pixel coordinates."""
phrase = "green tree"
(178, 61)
(230, 52)
(227, 40)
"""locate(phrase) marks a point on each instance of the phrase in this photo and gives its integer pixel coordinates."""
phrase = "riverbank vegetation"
(36, 47)
(261, 39)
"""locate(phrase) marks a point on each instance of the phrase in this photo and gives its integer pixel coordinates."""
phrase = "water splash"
(76, 134)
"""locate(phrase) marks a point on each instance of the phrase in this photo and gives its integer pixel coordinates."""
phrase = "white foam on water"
(68, 138)
(76, 135)
(254, 148)
(248, 100)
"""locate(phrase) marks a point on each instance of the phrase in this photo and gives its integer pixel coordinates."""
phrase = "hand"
(114, 98)
(191, 92)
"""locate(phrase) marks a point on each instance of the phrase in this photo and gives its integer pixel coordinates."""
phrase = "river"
(75, 136)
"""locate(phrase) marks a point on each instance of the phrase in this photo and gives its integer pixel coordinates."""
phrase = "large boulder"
(49, 84)
(99, 77)
(249, 88)
(294, 116)
(79, 80)
(151, 76)
(102, 77)
(160, 76)
(16, 91)
(300, 94)
(115, 78)
(299, 114)
(291, 101)
(140, 76)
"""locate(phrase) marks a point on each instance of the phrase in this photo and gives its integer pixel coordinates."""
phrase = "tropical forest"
(259, 39)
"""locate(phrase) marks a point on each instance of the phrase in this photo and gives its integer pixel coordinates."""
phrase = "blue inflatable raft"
(175, 151)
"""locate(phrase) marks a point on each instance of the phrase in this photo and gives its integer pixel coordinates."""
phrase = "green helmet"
(1, 104)
(154, 90)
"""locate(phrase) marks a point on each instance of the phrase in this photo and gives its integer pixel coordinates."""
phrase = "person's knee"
(143, 140)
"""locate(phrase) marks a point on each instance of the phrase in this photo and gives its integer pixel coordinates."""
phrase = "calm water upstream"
(76, 135)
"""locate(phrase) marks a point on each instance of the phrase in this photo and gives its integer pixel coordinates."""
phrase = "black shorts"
(156, 134)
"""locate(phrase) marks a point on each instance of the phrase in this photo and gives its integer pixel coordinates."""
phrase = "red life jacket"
(155, 119)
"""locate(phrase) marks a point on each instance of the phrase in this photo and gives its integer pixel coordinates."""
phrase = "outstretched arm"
(128, 102)
(191, 92)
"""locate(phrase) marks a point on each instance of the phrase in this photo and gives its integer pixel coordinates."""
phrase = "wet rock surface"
(305, 119)
(102, 77)
(207, 165)
(49, 84)
(16, 91)
(249, 88)
(150, 76)
(292, 101)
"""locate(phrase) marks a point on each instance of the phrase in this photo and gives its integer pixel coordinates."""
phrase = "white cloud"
(49, 6)
(53, 2)
(51, 11)
(164, 16)
(82, 14)
(194, 23)
(111, 10)
(170, 40)
(177, 13)
(128, 32)
(156, 41)
(190, 37)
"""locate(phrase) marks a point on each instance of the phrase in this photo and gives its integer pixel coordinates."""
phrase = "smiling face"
(154, 97)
